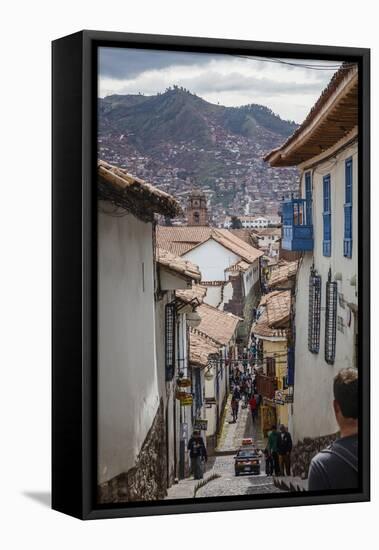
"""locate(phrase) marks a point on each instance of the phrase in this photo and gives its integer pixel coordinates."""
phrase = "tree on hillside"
(235, 223)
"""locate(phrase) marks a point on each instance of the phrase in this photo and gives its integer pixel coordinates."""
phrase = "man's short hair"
(345, 389)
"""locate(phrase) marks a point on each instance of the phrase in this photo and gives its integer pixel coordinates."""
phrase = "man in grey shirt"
(337, 466)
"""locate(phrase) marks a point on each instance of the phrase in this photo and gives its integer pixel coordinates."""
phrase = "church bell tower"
(197, 211)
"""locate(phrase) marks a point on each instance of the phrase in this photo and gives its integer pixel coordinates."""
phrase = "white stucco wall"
(228, 295)
(264, 241)
(220, 379)
(175, 415)
(212, 259)
(211, 411)
(223, 377)
(213, 295)
(184, 414)
(169, 281)
(209, 385)
(166, 389)
(211, 416)
(127, 378)
(251, 277)
(313, 376)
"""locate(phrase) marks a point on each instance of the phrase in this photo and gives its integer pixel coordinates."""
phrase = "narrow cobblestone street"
(228, 484)
(233, 433)
(222, 464)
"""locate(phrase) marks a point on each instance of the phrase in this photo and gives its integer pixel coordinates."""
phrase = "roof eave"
(289, 154)
(133, 194)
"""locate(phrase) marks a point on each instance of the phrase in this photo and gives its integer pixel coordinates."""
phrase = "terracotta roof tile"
(236, 245)
(272, 262)
(283, 272)
(188, 235)
(197, 292)
(177, 248)
(177, 264)
(218, 325)
(201, 348)
(243, 234)
(274, 320)
(181, 239)
(268, 296)
(263, 329)
(268, 231)
(239, 266)
(279, 308)
(134, 194)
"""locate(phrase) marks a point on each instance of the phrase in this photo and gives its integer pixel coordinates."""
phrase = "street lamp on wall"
(213, 361)
(208, 375)
(193, 319)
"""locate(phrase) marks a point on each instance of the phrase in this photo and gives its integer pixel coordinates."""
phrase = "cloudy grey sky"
(229, 80)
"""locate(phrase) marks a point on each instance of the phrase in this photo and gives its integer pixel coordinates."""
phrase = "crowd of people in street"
(244, 390)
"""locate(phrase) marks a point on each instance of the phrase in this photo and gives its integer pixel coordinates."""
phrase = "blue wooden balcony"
(297, 230)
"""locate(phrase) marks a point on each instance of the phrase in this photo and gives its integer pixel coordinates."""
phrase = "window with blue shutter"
(308, 198)
(348, 230)
(327, 215)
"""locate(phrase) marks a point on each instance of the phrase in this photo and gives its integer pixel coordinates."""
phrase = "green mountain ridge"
(178, 115)
(176, 140)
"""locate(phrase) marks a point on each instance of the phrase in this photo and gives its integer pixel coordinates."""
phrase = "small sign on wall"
(200, 424)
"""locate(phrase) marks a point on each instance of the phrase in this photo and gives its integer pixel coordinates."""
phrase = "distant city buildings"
(253, 222)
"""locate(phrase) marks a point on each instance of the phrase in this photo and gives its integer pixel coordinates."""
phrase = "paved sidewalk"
(185, 488)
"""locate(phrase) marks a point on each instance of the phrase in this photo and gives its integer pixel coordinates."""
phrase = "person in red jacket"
(254, 408)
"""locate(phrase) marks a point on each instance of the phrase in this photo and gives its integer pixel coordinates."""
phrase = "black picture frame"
(74, 332)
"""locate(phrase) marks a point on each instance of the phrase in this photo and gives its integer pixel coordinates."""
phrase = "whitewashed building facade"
(230, 267)
(323, 225)
(175, 304)
(231, 272)
(131, 415)
(219, 329)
